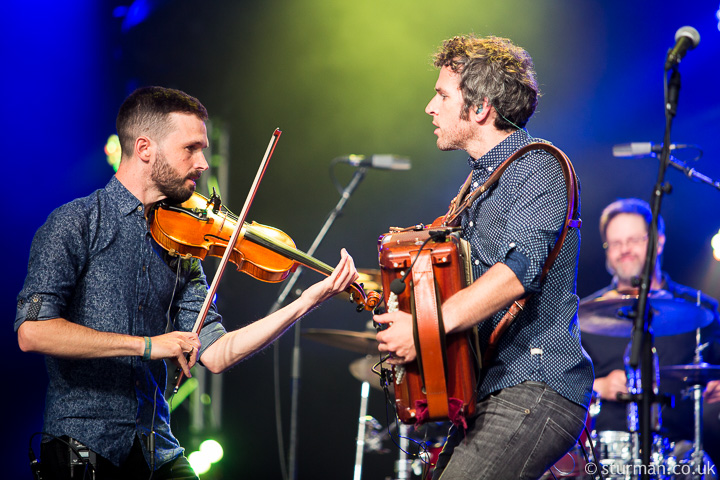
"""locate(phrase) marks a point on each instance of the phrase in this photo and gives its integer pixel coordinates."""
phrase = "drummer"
(624, 231)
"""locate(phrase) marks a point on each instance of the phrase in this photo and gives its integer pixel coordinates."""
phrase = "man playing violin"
(105, 304)
(534, 392)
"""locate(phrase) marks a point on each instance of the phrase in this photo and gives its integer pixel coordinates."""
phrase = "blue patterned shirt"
(516, 223)
(94, 263)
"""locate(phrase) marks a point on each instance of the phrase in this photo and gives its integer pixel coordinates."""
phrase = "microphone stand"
(693, 174)
(642, 341)
(295, 385)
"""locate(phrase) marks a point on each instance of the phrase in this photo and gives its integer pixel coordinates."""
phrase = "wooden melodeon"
(441, 384)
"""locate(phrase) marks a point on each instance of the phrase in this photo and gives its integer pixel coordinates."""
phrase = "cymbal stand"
(360, 448)
(290, 472)
(698, 455)
(403, 466)
(697, 390)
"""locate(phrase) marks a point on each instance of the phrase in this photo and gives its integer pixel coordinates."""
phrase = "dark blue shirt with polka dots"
(94, 263)
(516, 222)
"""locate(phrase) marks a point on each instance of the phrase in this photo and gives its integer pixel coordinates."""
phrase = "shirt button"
(144, 268)
(490, 169)
(477, 262)
(139, 209)
(475, 184)
(140, 308)
(512, 245)
(471, 223)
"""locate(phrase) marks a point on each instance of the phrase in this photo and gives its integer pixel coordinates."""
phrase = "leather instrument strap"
(430, 335)
(572, 220)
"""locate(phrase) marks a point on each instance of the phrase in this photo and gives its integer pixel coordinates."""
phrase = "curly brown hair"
(495, 68)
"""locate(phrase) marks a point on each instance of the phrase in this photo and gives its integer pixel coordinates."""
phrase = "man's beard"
(168, 182)
(453, 139)
(625, 273)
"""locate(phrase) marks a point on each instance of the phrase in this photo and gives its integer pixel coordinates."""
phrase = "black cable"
(389, 405)
(151, 438)
(595, 460)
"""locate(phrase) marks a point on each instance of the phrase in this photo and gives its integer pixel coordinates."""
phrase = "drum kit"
(370, 433)
(616, 454)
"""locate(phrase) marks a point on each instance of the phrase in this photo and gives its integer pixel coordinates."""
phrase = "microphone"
(686, 38)
(645, 149)
(381, 162)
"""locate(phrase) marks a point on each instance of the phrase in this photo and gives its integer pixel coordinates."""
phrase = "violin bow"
(231, 244)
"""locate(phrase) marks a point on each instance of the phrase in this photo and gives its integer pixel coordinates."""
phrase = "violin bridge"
(215, 201)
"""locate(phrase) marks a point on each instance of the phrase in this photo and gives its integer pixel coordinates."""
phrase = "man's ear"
(661, 244)
(144, 148)
(480, 112)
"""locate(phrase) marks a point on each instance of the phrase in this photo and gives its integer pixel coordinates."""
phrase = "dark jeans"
(55, 457)
(517, 433)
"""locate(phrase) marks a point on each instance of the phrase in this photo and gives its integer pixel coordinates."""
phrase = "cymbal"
(693, 374)
(371, 281)
(371, 278)
(360, 342)
(671, 316)
(362, 370)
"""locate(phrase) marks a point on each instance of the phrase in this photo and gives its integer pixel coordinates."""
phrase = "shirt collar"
(126, 202)
(500, 152)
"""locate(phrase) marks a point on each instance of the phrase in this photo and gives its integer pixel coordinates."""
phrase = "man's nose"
(202, 164)
(429, 109)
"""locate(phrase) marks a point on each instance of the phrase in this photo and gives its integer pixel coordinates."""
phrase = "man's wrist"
(147, 349)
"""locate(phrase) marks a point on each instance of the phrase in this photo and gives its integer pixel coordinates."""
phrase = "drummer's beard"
(625, 271)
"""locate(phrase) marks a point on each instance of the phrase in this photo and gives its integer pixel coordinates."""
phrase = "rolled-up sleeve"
(57, 255)
(535, 219)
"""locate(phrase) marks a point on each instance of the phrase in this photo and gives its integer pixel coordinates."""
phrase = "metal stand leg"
(698, 456)
(360, 449)
(403, 467)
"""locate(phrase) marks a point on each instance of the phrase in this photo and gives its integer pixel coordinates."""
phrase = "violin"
(200, 226)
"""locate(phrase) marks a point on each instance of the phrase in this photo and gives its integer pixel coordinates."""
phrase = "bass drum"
(570, 467)
(615, 453)
(619, 456)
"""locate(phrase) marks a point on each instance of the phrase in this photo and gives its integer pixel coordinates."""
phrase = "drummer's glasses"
(630, 242)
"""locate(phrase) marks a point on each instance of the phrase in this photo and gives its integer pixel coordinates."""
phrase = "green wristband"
(148, 349)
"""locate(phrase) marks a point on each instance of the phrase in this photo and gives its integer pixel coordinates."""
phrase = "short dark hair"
(495, 68)
(629, 205)
(146, 111)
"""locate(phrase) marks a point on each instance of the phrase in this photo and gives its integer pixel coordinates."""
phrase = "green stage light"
(212, 450)
(199, 462)
(183, 392)
(113, 151)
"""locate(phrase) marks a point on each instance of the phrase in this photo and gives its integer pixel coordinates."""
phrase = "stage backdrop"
(338, 78)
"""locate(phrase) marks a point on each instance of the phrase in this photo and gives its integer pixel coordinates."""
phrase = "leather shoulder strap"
(572, 220)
